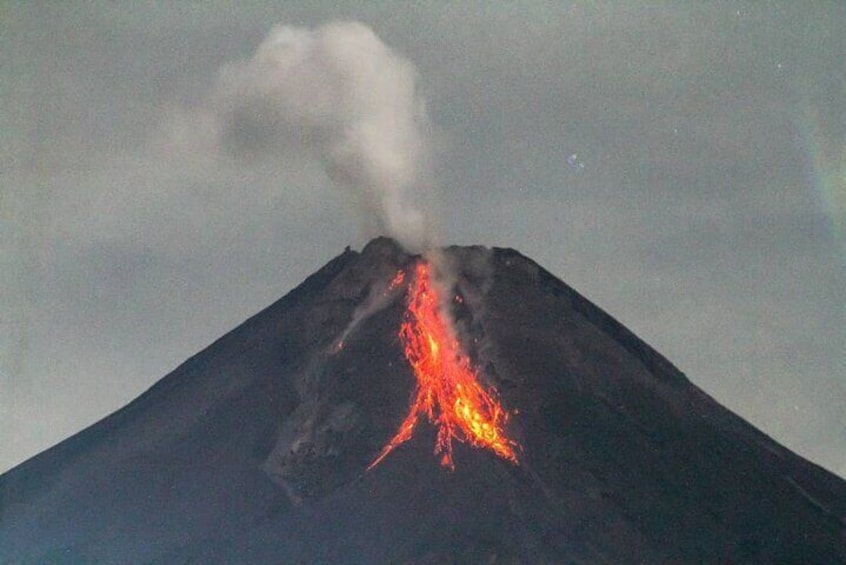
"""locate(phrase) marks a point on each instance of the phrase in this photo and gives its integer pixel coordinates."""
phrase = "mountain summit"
(257, 449)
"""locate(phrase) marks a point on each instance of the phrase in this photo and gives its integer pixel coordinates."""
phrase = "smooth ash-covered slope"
(255, 449)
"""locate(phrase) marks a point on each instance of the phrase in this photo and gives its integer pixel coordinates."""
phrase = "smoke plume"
(340, 94)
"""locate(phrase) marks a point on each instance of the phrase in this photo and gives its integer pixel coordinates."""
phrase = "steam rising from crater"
(338, 93)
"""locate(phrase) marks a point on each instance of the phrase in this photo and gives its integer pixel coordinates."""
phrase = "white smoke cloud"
(339, 94)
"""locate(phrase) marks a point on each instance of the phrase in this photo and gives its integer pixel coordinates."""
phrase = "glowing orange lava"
(448, 391)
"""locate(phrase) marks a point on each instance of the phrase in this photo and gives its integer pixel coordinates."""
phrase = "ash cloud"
(336, 93)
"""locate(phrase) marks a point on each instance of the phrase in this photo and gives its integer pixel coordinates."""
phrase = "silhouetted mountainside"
(255, 449)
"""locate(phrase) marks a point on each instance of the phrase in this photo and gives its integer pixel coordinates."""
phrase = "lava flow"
(448, 391)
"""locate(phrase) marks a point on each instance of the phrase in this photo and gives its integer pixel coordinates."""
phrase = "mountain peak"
(256, 448)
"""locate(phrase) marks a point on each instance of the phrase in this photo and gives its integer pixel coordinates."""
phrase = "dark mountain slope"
(254, 450)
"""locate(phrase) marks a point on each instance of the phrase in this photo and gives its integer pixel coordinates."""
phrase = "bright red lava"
(448, 391)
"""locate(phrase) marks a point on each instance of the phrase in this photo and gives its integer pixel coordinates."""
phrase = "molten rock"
(449, 393)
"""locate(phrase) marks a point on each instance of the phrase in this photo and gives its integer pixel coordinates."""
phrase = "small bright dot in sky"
(574, 162)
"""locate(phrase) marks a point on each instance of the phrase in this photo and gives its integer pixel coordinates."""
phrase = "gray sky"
(682, 165)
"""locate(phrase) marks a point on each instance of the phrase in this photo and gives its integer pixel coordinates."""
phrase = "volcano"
(261, 448)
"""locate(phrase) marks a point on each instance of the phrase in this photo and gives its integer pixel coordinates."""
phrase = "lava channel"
(448, 391)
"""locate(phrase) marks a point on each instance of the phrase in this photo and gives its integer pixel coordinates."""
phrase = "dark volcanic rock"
(255, 449)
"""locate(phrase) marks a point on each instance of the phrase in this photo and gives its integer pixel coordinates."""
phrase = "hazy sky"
(683, 165)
